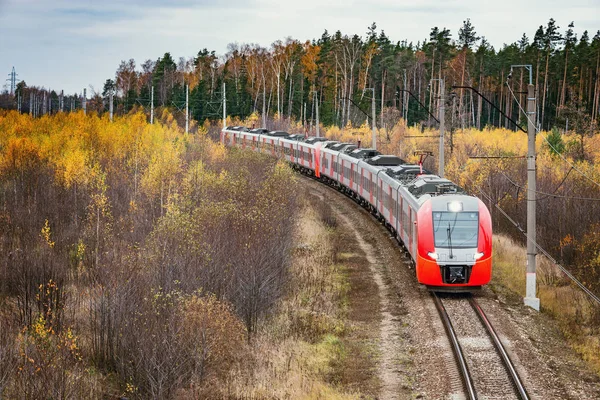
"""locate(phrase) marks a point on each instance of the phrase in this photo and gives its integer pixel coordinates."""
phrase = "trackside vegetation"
(136, 261)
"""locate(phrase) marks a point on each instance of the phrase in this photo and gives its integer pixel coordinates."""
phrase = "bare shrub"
(8, 353)
(214, 336)
(50, 364)
(326, 214)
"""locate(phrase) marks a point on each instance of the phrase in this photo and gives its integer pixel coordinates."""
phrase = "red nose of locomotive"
(455, 243)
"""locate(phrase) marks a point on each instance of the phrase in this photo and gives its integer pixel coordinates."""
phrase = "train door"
(399, 213)
(414, 236)
(390, 209)
(380, 195)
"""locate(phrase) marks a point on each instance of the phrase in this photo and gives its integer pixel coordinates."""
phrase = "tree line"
(341, 72)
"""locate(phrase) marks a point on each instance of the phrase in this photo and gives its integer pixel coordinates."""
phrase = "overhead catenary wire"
(548, 142)
(558, 196)
(590, 294)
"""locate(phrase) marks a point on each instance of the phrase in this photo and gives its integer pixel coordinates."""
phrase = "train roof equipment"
(363, 153)
(384, 160)
(298, 137)
(314, 139)
(282, 134)
(406, 173)
(432, 185)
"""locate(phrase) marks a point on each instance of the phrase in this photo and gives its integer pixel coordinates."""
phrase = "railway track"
(493, 374)
(484, 364)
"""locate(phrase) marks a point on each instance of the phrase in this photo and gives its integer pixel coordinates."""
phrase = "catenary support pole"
(304, 118)
(264, 108)
(442, 127)
(530, 294)
(374, 134)
(317, 111)
(224, 108)
(110, 105)
(152, 105)
(187, 108)
(84, 102)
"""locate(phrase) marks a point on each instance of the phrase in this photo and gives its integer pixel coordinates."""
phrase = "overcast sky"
(61, 44)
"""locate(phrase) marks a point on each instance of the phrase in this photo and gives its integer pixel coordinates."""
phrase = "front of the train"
(454, 243)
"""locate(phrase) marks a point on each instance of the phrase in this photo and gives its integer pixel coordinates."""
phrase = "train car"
(446, 233)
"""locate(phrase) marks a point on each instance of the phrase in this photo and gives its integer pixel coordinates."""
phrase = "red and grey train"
(447, 233)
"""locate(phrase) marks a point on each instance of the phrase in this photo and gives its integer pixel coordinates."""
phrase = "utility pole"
(304, 118)
(84, 104)
(264, 106)
(374, 134)
(110, 104)
(317, 111)
(442, 126)
(152, 105)
(225, 108)
(187, 104)
(530, 295)
(530, 289)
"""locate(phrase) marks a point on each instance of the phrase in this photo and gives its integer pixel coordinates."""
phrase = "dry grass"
(298, 352)
(576, 316)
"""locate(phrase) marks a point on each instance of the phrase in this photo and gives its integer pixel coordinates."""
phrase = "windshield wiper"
(450, 240)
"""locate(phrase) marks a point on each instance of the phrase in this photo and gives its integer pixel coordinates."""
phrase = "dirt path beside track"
(397, 346)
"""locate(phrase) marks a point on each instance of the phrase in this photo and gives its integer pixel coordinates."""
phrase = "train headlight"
(477, 256)
(455, 206)
(433, 255)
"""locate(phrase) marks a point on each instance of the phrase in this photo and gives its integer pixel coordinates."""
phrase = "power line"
(550, 144)
(540, 248)
(558, 196)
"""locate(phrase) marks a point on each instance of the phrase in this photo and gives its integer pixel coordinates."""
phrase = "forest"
(341, 73)
(99, 240)
(116, 231)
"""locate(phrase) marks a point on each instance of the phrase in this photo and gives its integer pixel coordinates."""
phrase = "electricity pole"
(84, 102)
(317, 111)
(110, 105)
(225, 108)
(374, 135)
(530, 295)
(187, 104)
(264, 107)
(442, 126)
(304, 118)
(152, 105)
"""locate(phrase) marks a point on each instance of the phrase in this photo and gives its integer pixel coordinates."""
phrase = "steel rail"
(458, 353)
(516, 381)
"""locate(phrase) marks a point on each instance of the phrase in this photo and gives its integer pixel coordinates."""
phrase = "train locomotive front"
(454, 243)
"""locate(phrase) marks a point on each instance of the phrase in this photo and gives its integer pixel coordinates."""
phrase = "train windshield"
(455, 229)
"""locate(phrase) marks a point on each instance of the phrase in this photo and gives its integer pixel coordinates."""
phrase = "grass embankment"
(567, 304)
(299, 352)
